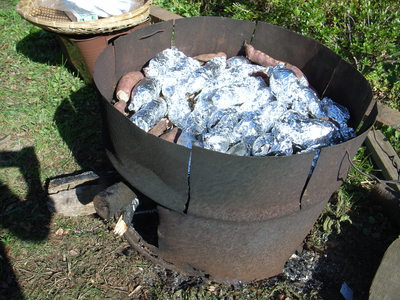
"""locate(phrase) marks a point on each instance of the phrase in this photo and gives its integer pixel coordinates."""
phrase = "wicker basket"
(56, 21)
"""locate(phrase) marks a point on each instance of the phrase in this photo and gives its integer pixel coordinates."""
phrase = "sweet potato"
(172, 135)
(160, 127)
(263, 59)
(203, 58)
(126, 84)
(121, 105)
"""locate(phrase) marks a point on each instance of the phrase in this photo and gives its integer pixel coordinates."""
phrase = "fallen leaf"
(212, 288)
(59, 231)
(73, 253)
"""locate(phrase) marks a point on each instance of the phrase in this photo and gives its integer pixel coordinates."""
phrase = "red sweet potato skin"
(121, 105)
(160, 127)
(205, 57)
(263, 59)
(126, 84)
(172, 136)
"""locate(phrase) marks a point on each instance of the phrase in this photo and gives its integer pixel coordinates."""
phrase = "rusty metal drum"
(238, 218)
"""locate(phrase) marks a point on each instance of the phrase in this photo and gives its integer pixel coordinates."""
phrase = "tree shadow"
(27, 219)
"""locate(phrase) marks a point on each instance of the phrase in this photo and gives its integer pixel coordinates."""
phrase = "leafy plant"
(337, 212)
(393, 135)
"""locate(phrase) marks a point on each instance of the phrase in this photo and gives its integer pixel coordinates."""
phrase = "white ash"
(302, 271)
(226, 106)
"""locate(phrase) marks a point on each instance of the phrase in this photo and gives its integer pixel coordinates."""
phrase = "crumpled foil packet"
(226, 105)
(150, 114)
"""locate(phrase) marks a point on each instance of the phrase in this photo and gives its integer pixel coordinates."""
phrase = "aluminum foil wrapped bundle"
(223, 119)
(234, 94)
(346, 132)
(307, 102)
(305, 133)
(263, 144)
(150, 114)
(262, 98)
(227, 106)
(173, 81)
(220, 127)
(178, 109)
(339, 114)
(270, 114)
(248, 129)
(335, 111)
(163, 62)
(239, 67)
(239, 149)
(145, 91)
(284, 84)
(217, 141)
(236, 61)
(214, 68)
(193, 80)
(269, 144)
(196, 122)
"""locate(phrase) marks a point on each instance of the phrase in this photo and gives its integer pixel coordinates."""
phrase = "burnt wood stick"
(113, 200)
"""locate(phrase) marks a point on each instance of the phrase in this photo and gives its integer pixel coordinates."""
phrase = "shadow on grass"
(79, 122)
(78, 117)
(27, 220)
(354, 255)
(44, 47)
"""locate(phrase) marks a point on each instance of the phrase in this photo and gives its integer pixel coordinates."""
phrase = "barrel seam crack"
(188, 183)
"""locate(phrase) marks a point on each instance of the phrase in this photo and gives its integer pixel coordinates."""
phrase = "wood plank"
(75, 202)
(386, 284)
(388, 116)
(72, 195)
(68, 182)
(159, 14)
(384, 156)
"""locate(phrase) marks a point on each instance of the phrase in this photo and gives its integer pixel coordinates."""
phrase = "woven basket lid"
(57, 21)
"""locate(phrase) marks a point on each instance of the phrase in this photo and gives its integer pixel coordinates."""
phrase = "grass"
(50, 125)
